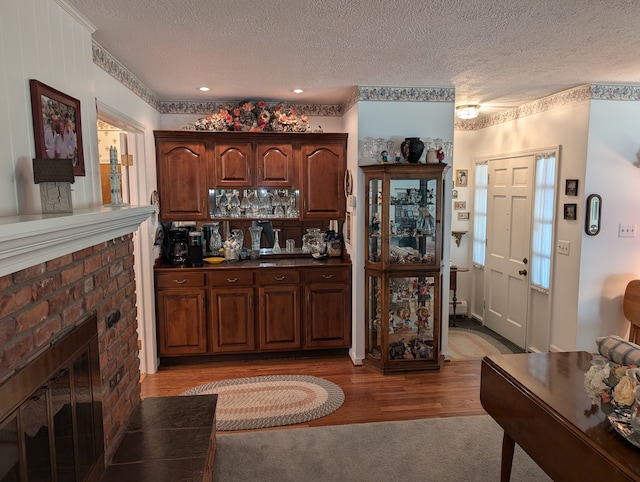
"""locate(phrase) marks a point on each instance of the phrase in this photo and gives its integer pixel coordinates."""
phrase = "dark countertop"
(269, 261)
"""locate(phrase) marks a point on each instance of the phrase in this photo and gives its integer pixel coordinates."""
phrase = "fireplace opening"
(51, 413)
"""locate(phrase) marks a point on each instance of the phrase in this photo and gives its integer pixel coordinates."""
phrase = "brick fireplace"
(42, 303)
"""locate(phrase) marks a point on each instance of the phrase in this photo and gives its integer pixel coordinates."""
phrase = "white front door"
(509, 211)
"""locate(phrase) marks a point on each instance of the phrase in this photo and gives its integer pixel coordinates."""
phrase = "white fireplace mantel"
(27, 240)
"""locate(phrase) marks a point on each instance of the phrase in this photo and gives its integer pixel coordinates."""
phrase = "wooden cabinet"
(276, 166)
(328, 308)
(180, 311)
(190, 163)
(324, 166)
(182, 179)
(239, 309)
(231, 320)
(279, 319)
(403, 266)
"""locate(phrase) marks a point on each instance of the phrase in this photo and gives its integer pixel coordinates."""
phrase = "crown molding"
(77, 16)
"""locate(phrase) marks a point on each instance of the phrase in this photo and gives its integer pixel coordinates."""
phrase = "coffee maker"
(178, 248)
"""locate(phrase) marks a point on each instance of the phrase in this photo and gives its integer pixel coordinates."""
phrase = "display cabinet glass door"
(412, 222)
(402, 314)
(375, 217)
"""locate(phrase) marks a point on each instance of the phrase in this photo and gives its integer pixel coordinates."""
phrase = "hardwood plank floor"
(369, 396)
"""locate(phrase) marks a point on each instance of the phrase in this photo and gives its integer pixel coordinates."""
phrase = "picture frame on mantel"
(57, 126)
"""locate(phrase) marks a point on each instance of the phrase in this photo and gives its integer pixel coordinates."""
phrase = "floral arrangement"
(253, 117)
(606, 382)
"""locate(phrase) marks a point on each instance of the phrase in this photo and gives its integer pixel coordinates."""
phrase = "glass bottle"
(215, 242)
(276, 241)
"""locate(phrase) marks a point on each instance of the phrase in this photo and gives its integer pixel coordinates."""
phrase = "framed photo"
(454, 194)
(461, 177)
(463, 216)
(57, 126)
(570, 212)
(571, 187)
(460, 205)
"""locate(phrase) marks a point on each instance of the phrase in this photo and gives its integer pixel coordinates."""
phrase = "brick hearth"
(42, 303)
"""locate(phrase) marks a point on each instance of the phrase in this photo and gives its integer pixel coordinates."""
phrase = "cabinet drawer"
(180, 279)
(280, 276)
(336, 275)
(231, 278)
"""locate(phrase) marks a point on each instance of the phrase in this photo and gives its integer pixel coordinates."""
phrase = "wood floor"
(369, 396)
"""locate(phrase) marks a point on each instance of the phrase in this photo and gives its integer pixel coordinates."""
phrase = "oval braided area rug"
(271, 401)
(466, 343)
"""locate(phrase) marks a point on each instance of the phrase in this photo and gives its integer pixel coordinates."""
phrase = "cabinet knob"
(180, 281)
(232, 280)
(279, 278)
(327, 276)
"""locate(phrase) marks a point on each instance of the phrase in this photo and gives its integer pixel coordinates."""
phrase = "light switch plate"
(563, 247)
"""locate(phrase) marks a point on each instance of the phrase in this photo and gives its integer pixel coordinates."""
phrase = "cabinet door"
(182, 180)
(276, 166)
(232, 320)
(328, 316)
(181, 322)
(279, 317)
(323, 168)
(233, 165)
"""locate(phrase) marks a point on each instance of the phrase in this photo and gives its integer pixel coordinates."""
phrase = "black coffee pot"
(178, 247)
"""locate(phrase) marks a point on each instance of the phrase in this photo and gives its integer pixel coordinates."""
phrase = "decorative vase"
(432, 156)
(256, 235)
(412, 149)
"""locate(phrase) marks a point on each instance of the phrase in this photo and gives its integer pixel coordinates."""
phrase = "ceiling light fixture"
(467, 112)
(298, 91)
(204, 89)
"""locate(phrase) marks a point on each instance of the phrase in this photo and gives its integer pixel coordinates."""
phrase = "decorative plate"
(215, 260)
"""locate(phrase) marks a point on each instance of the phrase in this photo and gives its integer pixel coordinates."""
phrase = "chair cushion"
(619, 350)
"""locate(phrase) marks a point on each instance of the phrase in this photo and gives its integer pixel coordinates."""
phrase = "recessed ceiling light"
(298, 91)
(205, 89)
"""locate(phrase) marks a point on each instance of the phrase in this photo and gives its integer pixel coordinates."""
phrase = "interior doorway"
(137, 188)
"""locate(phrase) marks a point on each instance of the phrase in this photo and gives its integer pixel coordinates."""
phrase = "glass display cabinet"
(403, 266)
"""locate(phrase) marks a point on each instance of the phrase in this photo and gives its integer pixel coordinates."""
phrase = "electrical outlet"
(626, 230)
(563, 247)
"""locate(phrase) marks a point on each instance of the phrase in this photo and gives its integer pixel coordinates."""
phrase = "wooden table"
(453, 286)
(540, 401)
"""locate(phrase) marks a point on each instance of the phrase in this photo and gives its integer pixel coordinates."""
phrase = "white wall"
(599, 145)
(39, 40)
(609, 262)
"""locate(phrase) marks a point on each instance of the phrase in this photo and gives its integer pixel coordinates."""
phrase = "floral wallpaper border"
(113, 67)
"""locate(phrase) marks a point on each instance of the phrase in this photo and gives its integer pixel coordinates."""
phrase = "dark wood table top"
(540, 400)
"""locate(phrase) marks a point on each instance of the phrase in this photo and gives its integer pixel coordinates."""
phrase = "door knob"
(523, 272)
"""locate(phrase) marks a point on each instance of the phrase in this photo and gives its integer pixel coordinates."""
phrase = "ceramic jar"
(412, 149)
(313, 241)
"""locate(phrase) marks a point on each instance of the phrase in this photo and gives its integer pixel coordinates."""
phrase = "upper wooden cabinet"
(182, 179)
(192, 162)
(324, 166)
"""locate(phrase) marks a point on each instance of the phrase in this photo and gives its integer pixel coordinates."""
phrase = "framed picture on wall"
(460, 205)
(570, 211)
(571, 187)
(461, 177)
(463, 216)
(57, 127)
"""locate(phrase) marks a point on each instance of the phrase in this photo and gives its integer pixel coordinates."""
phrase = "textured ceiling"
(497, 53)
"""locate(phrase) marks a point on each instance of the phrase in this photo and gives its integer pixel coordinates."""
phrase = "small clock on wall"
(592, 214)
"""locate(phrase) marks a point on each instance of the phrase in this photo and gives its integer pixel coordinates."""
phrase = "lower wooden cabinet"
(247, 310)
(180, 308)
